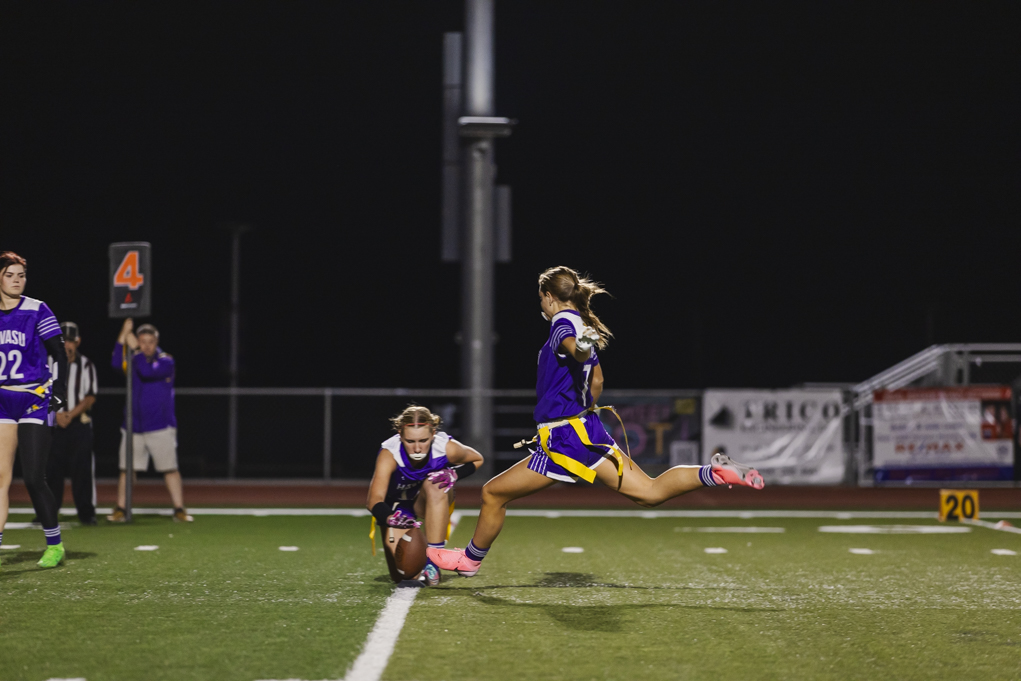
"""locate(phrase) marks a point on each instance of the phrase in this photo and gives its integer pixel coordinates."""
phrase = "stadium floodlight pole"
(235, 346)
(477, 127)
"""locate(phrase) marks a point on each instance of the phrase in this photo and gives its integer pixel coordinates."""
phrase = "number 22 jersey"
(23, 356)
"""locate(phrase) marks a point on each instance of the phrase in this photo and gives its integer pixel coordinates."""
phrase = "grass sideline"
(219, 600)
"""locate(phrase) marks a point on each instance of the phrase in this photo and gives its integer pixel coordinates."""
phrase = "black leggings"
(34, 450)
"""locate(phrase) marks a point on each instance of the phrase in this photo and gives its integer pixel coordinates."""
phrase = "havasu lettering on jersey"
(11, 337)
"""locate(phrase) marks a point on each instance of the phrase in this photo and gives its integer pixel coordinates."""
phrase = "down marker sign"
(130, 279)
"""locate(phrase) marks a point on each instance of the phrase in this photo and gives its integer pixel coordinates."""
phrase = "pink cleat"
(455, 561)
(727, 471)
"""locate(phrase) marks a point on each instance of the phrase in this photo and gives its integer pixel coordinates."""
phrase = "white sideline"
(551, 513)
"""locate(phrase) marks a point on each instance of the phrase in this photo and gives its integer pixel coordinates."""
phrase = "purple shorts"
(564, 441)
(19, 407)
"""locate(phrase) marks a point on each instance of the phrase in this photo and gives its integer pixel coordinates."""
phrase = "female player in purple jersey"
(415, 474)
(28, 396)
(571, 441)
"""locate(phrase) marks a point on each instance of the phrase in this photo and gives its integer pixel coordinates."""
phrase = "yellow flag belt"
(574, 467)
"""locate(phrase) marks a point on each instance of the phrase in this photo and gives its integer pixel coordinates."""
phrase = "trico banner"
(791, 436)
(961, 433)
(660, 431)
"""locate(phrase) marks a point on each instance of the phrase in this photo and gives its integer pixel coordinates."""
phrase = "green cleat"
(52, 557)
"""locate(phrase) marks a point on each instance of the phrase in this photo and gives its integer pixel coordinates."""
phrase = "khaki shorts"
(161, 445)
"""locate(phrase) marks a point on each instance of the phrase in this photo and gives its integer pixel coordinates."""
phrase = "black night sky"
(774, 192)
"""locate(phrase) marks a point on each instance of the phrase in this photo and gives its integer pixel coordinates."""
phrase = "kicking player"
(415, 474)
(571, 442)
(28, 396)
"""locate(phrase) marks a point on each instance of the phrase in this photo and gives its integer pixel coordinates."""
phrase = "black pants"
(34, 452)
(71, 454)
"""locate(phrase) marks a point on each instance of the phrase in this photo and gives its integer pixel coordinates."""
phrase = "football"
(409, 554)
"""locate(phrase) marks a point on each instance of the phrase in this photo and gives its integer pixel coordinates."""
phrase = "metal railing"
(943, 365)
(327, 394)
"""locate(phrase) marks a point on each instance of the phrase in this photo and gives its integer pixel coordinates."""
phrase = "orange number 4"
(128, 274)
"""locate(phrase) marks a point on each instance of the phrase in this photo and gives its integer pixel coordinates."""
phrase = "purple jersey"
(563, 387)
(406, 481)
(23, 357)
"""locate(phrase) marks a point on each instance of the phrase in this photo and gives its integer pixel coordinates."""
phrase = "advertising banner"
(791, 436)
(960, 433)
(660, 431)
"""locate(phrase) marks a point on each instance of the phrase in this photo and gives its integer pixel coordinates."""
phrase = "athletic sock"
(705, 476)
(1, 538)
(52, 535)
(437, 545)
(474, 552)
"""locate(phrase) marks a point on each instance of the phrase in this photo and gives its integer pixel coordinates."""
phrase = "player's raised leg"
(514, 483)
(649, 492)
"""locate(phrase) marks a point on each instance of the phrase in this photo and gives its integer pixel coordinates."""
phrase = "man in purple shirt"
(153, 419)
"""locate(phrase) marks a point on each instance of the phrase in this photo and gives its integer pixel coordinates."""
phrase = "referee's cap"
(70, 331)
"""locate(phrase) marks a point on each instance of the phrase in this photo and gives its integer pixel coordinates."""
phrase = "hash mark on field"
(862, 552)
(895, 529)
(1004, 552)
(573, 549)
(715, 549)
(10, 546)
(288, 548)
(146, 547)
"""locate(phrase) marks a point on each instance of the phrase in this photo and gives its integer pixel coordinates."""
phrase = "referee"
(71, 449)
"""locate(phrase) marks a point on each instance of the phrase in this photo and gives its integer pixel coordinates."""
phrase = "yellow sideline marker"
(958, 504)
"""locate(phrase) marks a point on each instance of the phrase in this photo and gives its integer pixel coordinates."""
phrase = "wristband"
(465, 469)
(381, 512)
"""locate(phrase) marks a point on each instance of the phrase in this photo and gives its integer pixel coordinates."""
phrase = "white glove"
(586, 339)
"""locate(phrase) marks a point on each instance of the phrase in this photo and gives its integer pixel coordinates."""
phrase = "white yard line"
(993, 526)
(372, 661)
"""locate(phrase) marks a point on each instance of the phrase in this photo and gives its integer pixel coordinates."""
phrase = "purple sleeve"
(561, 330)
(117, 361)
(159, 368)
(46, 323)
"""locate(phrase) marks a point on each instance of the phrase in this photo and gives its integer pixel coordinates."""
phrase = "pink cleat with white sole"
(454, 560)
(729, 472)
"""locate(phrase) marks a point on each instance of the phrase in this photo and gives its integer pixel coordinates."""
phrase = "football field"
(563, 595)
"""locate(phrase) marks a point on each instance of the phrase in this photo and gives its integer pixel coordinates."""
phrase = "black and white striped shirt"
(81, 380)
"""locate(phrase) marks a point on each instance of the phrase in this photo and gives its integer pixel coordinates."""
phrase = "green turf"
(644, 601)
(218, 600)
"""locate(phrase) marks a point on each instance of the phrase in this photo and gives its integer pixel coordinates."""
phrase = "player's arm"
(463, 460)
(569, 346)
(580, 347)
(55, 349)
(461, 454)
(597, 383)
(376, 503)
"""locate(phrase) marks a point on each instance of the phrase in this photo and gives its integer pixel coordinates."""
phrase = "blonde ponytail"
(567, 286)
